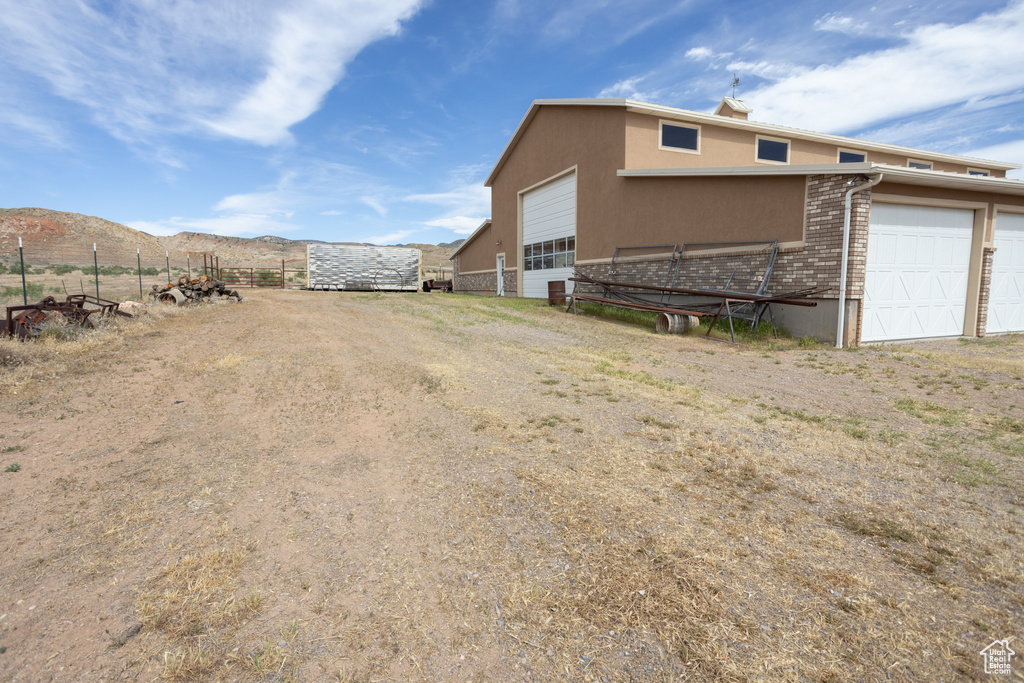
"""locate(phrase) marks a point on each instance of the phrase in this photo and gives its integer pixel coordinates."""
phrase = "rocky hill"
(58, 237)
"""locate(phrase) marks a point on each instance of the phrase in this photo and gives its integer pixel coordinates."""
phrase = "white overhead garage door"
(1006, 294)
(549, 235)
(916, 278)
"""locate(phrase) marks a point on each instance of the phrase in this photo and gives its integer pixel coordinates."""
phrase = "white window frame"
(678, 124)
(851, 151)
(929, 164)
(978, 171)
(757, 144)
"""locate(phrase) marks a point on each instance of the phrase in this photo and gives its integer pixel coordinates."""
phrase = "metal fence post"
(188, 264)
(167, 255)
(96, 269)
(24, 288)
(138, 256)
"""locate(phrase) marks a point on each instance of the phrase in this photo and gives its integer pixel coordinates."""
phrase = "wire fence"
(32, 270)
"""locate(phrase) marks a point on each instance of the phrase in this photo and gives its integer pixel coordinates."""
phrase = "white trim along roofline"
(727, 122)
(471, 237)
(898, 174)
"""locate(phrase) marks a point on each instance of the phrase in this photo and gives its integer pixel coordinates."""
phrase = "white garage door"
(916, 278)
(1006, 295)
(549, 235)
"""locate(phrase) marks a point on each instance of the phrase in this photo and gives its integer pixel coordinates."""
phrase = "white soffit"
(899, 174)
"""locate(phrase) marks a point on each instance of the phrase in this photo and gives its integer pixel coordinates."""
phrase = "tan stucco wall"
(634, 211)
(480, 253)
(614, 211)
(723, 146)
(590, 138)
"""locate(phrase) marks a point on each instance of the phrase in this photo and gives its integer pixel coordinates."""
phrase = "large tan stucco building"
(935, 241)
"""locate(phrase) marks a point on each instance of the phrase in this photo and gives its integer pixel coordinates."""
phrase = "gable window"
(923, 165)
(772, 150)
(977, 171)
(849, 157)
(680, 138)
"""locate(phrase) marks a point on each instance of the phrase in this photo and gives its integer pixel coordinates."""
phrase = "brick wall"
(481, 283)
(986, 282)
(816, 265)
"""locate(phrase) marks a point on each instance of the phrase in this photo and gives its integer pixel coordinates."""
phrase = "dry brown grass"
(453, 489)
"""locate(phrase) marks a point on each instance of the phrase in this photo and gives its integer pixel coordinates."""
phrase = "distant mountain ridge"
(52, 237)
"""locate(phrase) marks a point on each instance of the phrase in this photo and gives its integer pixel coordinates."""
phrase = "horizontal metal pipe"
(738, 296)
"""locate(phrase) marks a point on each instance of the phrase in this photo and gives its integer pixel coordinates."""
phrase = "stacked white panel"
(356, 268)
(1006, 293)
(549, 213)
(916, 277)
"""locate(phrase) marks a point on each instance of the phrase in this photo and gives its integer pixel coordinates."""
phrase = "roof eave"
(910, 176)
(471, 237)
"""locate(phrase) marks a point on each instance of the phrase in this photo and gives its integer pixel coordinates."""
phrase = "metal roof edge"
(788, 169)
(471, 237)
(911, 176)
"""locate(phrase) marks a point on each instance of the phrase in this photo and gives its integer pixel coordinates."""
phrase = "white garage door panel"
(1006, 293)
(549, 213)
(916, 277)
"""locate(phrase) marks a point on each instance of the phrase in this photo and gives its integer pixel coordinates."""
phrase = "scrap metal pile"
(31, 320)
(681, 307)
(203, 288)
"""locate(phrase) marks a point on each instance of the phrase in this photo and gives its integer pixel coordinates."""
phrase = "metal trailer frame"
(362, 268)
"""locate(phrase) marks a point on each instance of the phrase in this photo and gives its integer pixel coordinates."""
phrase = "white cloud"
(396, 237)
(145, 69)
(471, 198)
(460, 225)
(306, 56)
(700, 53)
(231, 225)
(467, 201)
(937, 65)
(839, 24)
(628, 89)
(381, 210)
(332, 212)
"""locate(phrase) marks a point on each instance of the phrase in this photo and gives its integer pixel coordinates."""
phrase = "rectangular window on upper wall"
(679, 137)
(977, 171)
(772, 150)
(848, 157)
(923, 165)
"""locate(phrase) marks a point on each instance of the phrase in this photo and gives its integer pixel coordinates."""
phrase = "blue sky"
(378, 120)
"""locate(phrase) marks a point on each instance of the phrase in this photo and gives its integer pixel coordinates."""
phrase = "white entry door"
(501, 275)
(1006, 293)
(549, 235)
(916, 276)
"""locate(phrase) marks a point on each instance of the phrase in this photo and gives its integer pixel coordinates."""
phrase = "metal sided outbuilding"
(356, 268)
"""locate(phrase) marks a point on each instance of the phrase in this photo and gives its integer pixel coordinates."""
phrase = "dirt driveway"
(323, 486)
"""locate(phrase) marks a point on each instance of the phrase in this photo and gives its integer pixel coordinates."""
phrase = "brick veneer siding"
(815, 265)
(986, 283)
(482, 283)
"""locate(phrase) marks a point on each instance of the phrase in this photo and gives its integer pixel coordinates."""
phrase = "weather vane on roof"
(735, 82)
